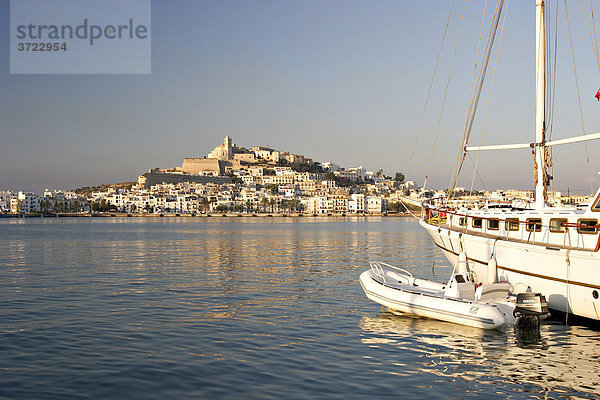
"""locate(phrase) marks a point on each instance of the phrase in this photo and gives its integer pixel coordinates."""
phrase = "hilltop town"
(232, 178)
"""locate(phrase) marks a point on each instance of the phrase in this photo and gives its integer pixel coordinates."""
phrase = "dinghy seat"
(493, 291)
(460, 287)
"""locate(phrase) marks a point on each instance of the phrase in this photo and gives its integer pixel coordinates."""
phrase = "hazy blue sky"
(337, 80)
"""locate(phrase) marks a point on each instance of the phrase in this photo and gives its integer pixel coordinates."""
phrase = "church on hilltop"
(224, 159)
(229, 151)
(234, 153)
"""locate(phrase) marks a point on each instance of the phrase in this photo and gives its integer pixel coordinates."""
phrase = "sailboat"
(539, 248)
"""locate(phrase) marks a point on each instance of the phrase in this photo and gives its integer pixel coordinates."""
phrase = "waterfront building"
(320, 205)
(14, 206)
(27, 202)
(339, 201)
(356, 203)
(5, 199)
(374, 205)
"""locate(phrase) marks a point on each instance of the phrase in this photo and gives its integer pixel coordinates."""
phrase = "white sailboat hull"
(568, 278)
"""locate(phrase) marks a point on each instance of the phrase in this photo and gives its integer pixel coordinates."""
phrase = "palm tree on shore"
(264, 202)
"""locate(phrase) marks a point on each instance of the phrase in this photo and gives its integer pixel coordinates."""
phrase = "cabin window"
(477, 223)
(556, 224)
(462, 221)
(493, 224)
(534, 225)
(512, 224)
(587, 226)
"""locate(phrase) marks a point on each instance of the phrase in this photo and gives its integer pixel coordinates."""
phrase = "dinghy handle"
(377, 268)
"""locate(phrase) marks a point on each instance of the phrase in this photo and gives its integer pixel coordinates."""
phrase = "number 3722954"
(34, 46)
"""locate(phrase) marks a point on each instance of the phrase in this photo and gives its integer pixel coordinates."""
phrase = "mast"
(540, 179)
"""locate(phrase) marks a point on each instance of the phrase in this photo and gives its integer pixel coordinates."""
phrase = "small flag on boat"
(597, 95)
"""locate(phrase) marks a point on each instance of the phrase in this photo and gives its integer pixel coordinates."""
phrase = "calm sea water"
(238, 308)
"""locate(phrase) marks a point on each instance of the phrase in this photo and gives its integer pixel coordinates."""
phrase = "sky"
(343, 81)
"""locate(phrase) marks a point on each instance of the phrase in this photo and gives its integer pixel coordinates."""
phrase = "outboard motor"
(530, 306)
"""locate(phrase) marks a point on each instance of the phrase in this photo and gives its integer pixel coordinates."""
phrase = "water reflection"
(253, 308)
(554, 362)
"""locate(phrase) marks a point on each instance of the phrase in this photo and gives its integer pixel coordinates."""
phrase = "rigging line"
(437, 129)
(475, 69)
(477, 57)
(594, 25)
(405, 204)
(429, 90)
(470, 108)
(484, 69)
(594, 44)
(489, 97)
(433, 265)
(579, 98)
(477, 172)
(472, 91)
(469, 123)
(475, 100)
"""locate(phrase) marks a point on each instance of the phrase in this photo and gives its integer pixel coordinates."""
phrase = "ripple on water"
(249, 308)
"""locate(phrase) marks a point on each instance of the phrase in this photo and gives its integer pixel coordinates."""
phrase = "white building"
(288, 191)
(319, 205)
(374, 205)
(306, 177)
(278, 180)
(330, 166)
(248, 179)
(28, 203)
(5, 198)
(349, 175)
(356, 203)
(328, 184)
(256, 171)
(284, 171)
(266, 153)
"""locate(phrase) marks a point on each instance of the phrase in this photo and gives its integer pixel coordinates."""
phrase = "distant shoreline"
(201, 215)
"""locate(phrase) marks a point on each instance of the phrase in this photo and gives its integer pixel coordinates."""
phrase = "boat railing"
(379, 268)
(437, 215)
